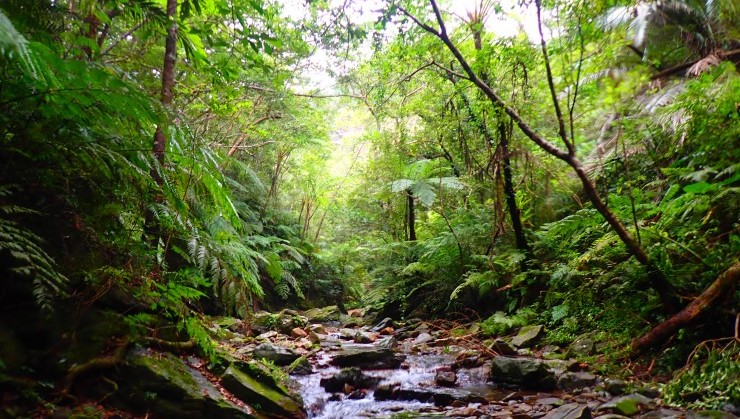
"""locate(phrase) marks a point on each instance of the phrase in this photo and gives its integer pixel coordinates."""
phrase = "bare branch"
(551, 84)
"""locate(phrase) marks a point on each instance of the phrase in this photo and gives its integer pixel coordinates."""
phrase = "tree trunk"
(514, 213)
(722, 286)
(657, 280)
(151, 229)
(412, 216)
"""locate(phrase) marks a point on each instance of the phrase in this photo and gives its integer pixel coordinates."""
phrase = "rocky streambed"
(341, 367)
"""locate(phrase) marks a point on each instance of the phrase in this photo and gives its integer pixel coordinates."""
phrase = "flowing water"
(417, 373)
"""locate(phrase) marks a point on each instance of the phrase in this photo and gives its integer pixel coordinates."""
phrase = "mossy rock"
(260, 395)
(163, 384)
(323, 315)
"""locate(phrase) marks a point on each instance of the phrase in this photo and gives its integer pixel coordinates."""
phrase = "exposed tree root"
(722, 286)
(111, 361)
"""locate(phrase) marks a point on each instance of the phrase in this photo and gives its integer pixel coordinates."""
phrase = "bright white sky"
(513, 20)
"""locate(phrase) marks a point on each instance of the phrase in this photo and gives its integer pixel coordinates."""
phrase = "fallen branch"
(722, 286)
(95, 364)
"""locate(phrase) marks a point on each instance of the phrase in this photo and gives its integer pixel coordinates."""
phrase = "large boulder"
(254, 392)
(181, 391)
(368, 357)
(323, 315)
(353, 377)
(526, 373)
(279, 355)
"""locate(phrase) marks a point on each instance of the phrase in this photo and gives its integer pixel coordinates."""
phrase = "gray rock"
(710, 414)
(323, 315)
(445, 378)
(363, 337)
(570, 411)
(369, 357)
(353, 377)
(663, 414)
(300, 366)
(615, 387)
(503, 347)
(445, 397)
(524, 372)
(527, 336)
(574, 380)
(551, 401)
(279, 355)
(582, 346)
(386, 322)
(627, 405)
(254, 392)
(423, 338)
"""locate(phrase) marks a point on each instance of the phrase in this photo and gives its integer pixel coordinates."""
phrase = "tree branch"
(551, 84)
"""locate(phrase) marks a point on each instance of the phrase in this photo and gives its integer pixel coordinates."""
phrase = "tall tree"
(657, 279)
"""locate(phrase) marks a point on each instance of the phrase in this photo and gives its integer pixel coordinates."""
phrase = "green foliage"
(710, 380)
(499, 324)
(28, 259)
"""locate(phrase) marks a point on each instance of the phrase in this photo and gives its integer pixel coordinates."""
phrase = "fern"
(31, 261)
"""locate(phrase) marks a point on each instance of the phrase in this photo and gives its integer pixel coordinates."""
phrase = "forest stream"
(350, 369)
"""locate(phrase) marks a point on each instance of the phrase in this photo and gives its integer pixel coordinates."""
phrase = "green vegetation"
(169, 160)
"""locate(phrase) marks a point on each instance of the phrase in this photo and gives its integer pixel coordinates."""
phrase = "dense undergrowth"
(243, 211)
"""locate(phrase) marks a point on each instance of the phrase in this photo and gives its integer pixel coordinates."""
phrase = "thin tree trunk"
(514, 213)
(412, 220)
(151, 229)
(722, 286)
(657, 279)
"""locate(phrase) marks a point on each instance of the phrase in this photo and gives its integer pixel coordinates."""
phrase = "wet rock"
(551, 401)
(648, 392)
(369, 357)
(662, 414)
(560, 366)
(445, 378)
(445, 397)
(364, 337)
(314, 338)
(323, 315)
(297, 332)
(423, 338)
(182, 391)
(503, 347)
(279, 355)
(357, 394)
(262, 322)
(254, 392)
(611, 416)
(387, 331)
(353, 377)
(387, 343)
(710, 414)
(316, 328)
(386, 322)
(267, 335)
(527, 336)
(467, 360)
(524, 372)
(300, 366)
(627, 405)
(615, 387)
(549, 350)
(574, 380)
(570, 411)
(582, 346)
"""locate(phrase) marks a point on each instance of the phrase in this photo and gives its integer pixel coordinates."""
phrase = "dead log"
(723, 285)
